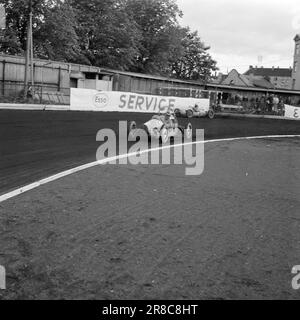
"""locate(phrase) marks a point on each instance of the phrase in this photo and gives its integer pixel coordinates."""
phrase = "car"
(195, 111)
(163, 127)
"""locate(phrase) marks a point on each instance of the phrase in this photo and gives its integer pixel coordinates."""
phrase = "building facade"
(53, 80)
(280, 78)
(234, 79)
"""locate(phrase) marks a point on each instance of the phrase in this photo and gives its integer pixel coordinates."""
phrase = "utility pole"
(2, 17)
(29, 53)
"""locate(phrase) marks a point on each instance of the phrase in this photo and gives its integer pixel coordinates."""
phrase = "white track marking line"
(60, 175)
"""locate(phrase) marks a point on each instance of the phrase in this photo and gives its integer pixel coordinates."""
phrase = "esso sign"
(100, 100)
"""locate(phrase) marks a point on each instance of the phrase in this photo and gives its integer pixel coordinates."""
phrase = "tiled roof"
(270, 72)
(262, 83)
(247, 80)
(220, 78)
(258, 82)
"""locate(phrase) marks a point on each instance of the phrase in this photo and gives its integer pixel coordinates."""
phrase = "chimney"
(272, 67)
(250, 67)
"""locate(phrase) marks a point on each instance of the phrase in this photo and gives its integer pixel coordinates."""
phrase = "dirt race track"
(148, 232)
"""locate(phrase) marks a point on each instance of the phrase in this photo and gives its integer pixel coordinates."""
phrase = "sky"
(245, 32)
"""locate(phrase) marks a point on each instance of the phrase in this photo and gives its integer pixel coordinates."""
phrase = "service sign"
(93, 100)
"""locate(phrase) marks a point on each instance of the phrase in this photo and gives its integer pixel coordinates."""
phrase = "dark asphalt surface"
(36, 144)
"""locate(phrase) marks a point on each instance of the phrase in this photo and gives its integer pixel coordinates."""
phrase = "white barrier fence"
(291, 112)
(93, 100)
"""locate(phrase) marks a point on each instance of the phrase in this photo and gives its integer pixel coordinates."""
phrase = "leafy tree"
(15, 34)
(166, 47)
(135, 35)
(56, 37)
(107, 35)
(194, 63)
(10, 43)
(158, 22)
(54, 24)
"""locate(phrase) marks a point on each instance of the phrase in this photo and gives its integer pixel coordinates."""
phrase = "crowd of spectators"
(264, 104)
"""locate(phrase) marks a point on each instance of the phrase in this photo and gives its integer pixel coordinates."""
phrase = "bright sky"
(245, 32)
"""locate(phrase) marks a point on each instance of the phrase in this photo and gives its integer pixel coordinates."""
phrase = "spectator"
(289, 100)
(253, 105)
(271, 103)
(275, 104)
(30, 93)
(262, 104)
(281, 107)
(238, 100)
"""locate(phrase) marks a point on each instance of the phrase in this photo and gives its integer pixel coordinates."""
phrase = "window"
(73, 83)
(297, 51)
(90, 75)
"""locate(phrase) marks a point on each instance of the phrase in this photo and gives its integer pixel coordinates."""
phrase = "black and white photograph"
(149, 152)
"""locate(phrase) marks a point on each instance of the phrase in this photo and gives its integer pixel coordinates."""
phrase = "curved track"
(37, 144)
(120, 232)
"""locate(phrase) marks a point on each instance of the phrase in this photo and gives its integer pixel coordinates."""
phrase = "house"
(234, 78)
(219, 78)
(280, 78)
(257, 82)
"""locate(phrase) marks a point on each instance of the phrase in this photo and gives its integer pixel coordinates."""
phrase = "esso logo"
(100, 100)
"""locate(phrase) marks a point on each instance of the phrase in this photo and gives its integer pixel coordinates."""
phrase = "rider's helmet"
(168, 114)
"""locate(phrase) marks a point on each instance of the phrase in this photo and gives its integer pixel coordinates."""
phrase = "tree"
(107, 35)
(195, 62)
(136, 35)
(56, 37)
(157, 21)
(15, 34)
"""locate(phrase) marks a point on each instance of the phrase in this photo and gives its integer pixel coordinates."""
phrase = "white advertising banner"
(93, 100)
(292, 112)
